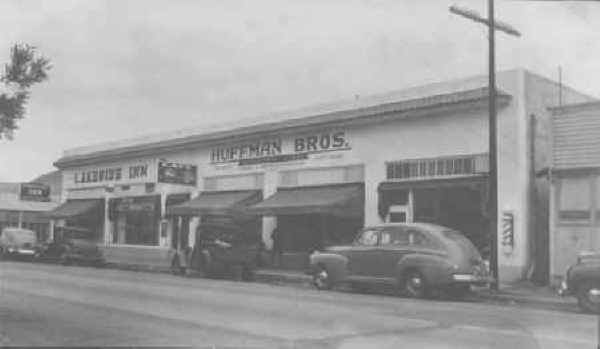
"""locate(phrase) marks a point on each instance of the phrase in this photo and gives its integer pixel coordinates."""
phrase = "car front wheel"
(458, 291)
(321, 279)
(415, 285)
(65, 259)
(176, 268)
(248, 273)
(588, 297)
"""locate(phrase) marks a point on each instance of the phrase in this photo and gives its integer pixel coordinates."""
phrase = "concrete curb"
(482, 295)
(567, 303)
(282, 278)
(138, 267)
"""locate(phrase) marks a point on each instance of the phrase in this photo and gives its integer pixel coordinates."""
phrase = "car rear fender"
(335, 264)
(435, 269)
(581, 274)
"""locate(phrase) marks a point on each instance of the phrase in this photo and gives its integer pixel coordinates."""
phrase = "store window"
(242, 182)
(436, 167)
(575, 200)
(320, 176)
(136, 220)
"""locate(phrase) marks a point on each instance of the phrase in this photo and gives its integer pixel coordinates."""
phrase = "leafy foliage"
(25, 69)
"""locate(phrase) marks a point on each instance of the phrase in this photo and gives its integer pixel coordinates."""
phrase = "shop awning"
(339, 200)
(73, 208)
(216, 203)
(27, 206)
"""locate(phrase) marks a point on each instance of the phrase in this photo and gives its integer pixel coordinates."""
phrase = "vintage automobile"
(413, 257)
(18, 243)
(583, 281)
(71, 245)
(221, 250)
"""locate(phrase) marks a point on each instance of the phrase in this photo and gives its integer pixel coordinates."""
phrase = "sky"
(125, 68)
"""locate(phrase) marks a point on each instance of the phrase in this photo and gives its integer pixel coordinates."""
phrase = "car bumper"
(472, 279)
(21, 251)
(563, 289)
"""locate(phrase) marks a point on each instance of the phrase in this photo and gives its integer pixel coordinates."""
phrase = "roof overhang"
(473, 99)
(574, 108)
(27, 206)
(574, 171)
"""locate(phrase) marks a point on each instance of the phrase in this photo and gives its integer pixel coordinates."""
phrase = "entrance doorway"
(180, 232)
(457, 207)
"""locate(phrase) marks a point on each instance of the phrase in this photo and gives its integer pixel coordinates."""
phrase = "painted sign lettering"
(244, 151)
(321, 142)
(274, 150)
(111, 174)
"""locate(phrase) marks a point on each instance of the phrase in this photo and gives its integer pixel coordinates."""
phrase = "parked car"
(18, 242)
(582, 280)
(413, 257)
(72, 245)
(222, 250)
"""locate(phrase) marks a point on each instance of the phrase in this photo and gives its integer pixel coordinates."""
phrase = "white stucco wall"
(445, 134)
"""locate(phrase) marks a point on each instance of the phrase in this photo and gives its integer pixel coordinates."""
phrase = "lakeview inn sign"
(161, 171)
(111, 174)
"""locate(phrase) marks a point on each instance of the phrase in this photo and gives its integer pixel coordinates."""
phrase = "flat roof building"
(320, 173)
(575, 178)
(25, 205)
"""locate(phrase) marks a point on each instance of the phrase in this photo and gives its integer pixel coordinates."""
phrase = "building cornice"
(474, 99)
(573, 108)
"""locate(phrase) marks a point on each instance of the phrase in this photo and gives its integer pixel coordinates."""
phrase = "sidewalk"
(523, 292)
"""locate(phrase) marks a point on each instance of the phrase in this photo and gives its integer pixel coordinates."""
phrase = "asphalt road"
(77, 306)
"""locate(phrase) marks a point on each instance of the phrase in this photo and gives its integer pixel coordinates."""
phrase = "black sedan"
(71, 245)
(582, 280)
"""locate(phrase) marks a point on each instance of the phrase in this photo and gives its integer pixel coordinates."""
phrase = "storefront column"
(374, 174)
(410, 217)
(51, 230)
(163, 238)
(20, 219)
(194, 222)
(271, 180)
(107, 225)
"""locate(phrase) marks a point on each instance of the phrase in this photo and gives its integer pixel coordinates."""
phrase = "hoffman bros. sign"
(273, 149)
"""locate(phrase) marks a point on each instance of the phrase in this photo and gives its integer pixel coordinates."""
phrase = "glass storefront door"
(135, 220)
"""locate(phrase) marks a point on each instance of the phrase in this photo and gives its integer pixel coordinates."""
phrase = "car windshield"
(77, 235)
(19, 236)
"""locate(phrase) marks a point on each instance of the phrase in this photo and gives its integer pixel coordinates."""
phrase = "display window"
(135, 220)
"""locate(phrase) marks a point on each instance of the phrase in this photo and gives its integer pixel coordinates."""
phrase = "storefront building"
(25, 205)
(575, 178)
(319, 174)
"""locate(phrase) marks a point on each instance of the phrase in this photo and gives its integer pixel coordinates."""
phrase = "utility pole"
(492, 25)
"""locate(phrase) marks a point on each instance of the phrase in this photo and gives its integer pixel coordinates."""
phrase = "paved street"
(56, 305)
